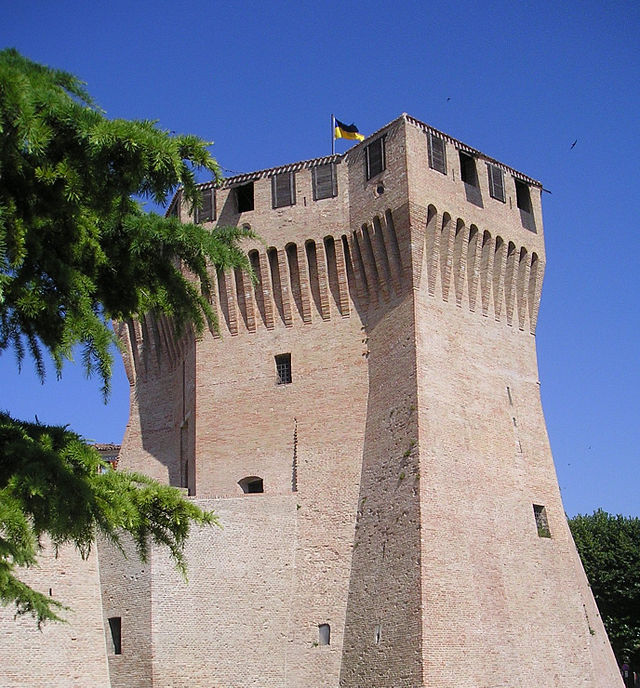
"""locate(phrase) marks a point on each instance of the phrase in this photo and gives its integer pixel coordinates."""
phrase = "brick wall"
(60, 655)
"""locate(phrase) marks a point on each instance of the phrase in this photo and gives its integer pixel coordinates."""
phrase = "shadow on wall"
(384, 586)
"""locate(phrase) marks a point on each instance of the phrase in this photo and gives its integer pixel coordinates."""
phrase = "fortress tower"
(368, 427)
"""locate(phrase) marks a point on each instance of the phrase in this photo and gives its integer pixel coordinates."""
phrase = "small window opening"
(523, 197)
(283, 189)
(252, 485)
(523, 201)
(542, 523)
(496, 182)
(437, 153)
(468, 171)
(115, 626)
(377, 632)
(244, 197)
(283, 369)
(375, 157)
(324, 634)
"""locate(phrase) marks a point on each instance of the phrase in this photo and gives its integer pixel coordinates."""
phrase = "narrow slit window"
(437, 153)
(115, 627)
(542, 524)
(377, 634)
(283, 369)
(324, 634)
(325, 183)
(207, 211)
(496, 182)
(244, 197)
(375, 157)
(283, 189)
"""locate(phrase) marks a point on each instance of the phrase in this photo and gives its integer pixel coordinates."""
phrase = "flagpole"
(333, 135)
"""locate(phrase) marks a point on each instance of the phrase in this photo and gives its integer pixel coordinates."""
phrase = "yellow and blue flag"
(347, 131)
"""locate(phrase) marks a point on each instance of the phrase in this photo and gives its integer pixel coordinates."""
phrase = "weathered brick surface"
(400, 466)
(61, 655)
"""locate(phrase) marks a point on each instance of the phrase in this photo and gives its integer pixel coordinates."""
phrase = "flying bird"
(573, 144)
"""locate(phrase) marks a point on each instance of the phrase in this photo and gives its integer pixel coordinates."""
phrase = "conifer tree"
(76, 252)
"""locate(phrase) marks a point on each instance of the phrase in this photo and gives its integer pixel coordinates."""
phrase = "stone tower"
(368, 427)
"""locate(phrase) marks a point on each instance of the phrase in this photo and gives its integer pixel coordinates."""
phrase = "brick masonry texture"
(400, 466)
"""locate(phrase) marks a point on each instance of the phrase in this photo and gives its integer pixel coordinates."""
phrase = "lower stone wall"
(61, 655)
(229, 625)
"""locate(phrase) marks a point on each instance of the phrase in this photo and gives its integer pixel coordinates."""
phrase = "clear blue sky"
(524, 79)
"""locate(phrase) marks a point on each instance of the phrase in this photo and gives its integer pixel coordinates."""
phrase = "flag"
(347, 131)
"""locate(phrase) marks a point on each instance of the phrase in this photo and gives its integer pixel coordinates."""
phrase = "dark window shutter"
(496, 182)
(375, 157)
(174, 209)
(283, 189)
(206, 212)
(437, 154)
(324, 181)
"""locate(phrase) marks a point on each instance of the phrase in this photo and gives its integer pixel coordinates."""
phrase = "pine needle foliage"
(76, 252)
(52, 486)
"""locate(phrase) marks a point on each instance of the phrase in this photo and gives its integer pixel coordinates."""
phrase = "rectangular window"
(437, 153)
(324, 634)
(115, 626)
(540, 514)
(523, 198)
(283, 189)
(468, 172)
(244, 197)
(283, 369)
(375, 157)
(496, 182)
(325, 182)
(207, 212)
(523, 201)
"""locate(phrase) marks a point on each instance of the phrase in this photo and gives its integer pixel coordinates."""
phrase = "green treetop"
(609, 547)
(77, 251)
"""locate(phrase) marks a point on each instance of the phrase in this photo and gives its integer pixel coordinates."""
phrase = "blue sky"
(518, 80)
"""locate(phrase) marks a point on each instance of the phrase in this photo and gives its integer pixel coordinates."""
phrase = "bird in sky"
(573, 144)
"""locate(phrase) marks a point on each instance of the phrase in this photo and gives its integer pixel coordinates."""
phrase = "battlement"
(409, 207)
